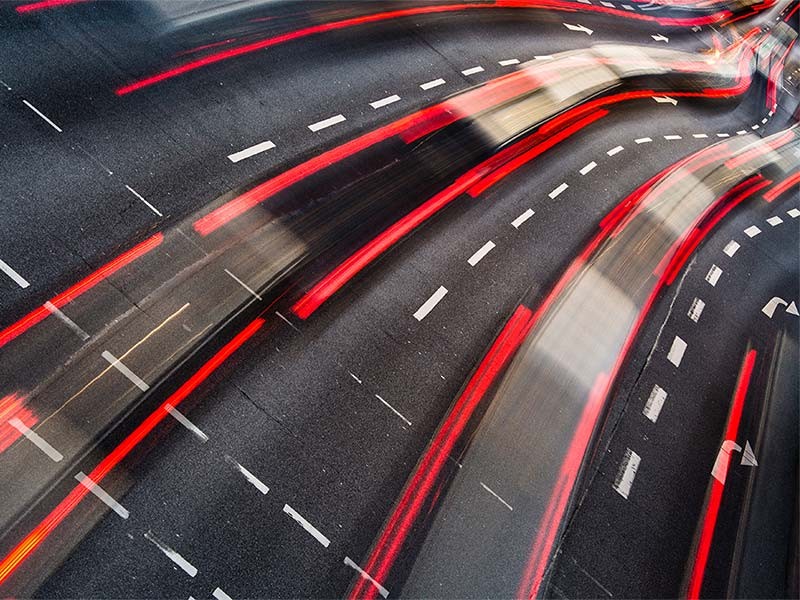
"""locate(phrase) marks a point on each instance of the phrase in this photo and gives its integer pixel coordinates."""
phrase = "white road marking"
(764, 121)
(385, 101)
(66, 320)
(660, 38)
(316, 534)
(16, 277)
(713, 274)
(243, 284)
(741, 132)
(5, 85)
(38, 112)
(472, 71)
(580, 28)
(36, 439)
(220, 595)
(696, 309)
(181, 418)
(615, 150)
(643, 140)
(353, 375)
(508, 62)
(393, 409)
(139, 196)
(381, 590)
(731, 248)
(251, 151)
(588, 168)
(287, 321)
(627, 473)
(754, 127)
(496, 495)
(184, 564)
(522, 218)
(556, 192)
(252, 479)
(103, 495)
(432, 84)
(752, 231)
(676, 351)
(430, 303)
(482, 251)
(774, 302)
(775, 221)
(771, 113)
(606, 4)
(627, 7)
(700, 136)
(119, 366)
(584, 1)
(672, 137)
(654, 404)
(793, 212)
(665, 100)
(543, 57)
(723, 135)
(326, 123)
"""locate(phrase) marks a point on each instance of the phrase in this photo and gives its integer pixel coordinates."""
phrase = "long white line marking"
(482, 251)
(183, 420)
(381, 590)
(432, 84)
(472, 71)
(696, 309)
(556, 192)
(220, 595)
(252, 479)
(16, 277)
(700, 136)
(394, 410)
(36, 439)
(139, 196)
(90, 485)
(430, 303)
(615, 150)
(306, 525)
(119, 366)
(713, 275)
(326, 123)
(672, 137)
(496, 495)
(66, 320)
(508, 62)
(775, 221)
(627, 473)
(793, 212)
(643, 140)
(385, 101)
(655, 402)
(251, 151)
(184, 564)
(588, 168)
(522, 218)
(731, 248)
(752, 231)
(243, 284)
(38, 112)
(676, 351)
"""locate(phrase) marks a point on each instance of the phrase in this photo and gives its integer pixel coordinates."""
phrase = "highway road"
(243, 300)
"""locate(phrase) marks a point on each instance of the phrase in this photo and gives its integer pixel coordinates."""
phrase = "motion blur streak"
(29, 544)
(13, 406)
(715, 496)
(782, 187)
(45, 5)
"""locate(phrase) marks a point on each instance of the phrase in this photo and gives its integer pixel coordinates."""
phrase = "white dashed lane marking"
(752, 231)
(731, 248)
(381, 590)
(220, 595)
(643, 140)
(315, 533)
(184, 564)
(181, 418)
(627, 473)
(516, 223)
(672, 137)
(696, 309)
(615, 150)
(588, 168)
(325, 123)
(655, 402)
(252, 479)
(482, 251)
(496, 495)
(119, 366)
(54, 310)
(385, 101)
(472, 71)
(42, 115)
(430, 303)
(15, 277)
(700, 136)
(103, 495)
(394, 410)
(432, 84)
(793, 212)
(723, 135)
(556, 192)
(775, 221)
(146, 203)
(243, 284)
(36, 439)
(251, 151)
(713, 275)
(508, 62)
(676, 351)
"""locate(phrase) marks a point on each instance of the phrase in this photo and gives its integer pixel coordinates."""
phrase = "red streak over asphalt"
(45, 5)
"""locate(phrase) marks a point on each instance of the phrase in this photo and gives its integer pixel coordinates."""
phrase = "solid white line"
(752, 231)
(700, 136)
(775, 221)
(381, 590)
(522, 218)
(184, 564)
(252, 479)
(731, 248)
(306, 525)
(16, 277)
(393, 409)
(643, 140)
(36, 439)
(220, 595)
(66, 320)
(139, 196)
(181, 418)
(385, 101)
(354, 376)
(723, 135)
(119, 366)
(90, 485)
(672, 137)
(793, 212)
(38, 112)
(654, 404)
(627, 473)
(326, 123)
(713, 274)
(493, 493)
(676, 351)
(432, 84)
(615, 150)
(696, 309)
(472, 71)
(508, 62)
(555, 193)
(483, 251)
(243, 284)
(430, 303)
(588, 168)
(251, 151)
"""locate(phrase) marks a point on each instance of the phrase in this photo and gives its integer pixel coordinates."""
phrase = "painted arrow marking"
(665, 100)
(775, 302)
(660, 38)
(720, 469)
(748, 456)
(792, 309)
(585, 30)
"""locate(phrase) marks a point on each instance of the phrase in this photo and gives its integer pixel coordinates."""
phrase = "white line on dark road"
(220, 595)
(654, 404)
(38, 112)
(326, 123)
(393, 409)
(381, 590)
(627, 473)
(119, 366)
(588, 168)
(5, 85)
(184, 564)
(472, 71)
(287, 321)
(672, 137)
(522, 218)
(16, 277)
(615, 150)
(430, 303)
(793, 212)
(251, 151)
(643, 140)
(775, 221)
(723, 135)
(543, 57)
(482, 251)
(432, 84)
(54, 310)
(139, 196)
(243, 284)
(353, 375)
(556, 192)
(90, 485)
(713, 275)
(752, 231)
(385, 101)
(181, 418)
(316, 534)
(731, 248)
(764, 120)
(493, 493)
(700, 136)
(36, 439)
(252, 479)
(696, 309)
(508, 62)
(676, 351)
(741, 132)
(754, 127)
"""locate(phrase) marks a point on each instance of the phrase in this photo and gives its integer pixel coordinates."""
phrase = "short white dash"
(723, 135)
(38, 112)
(741, 132)
(775, 221)
(472, 71)
(493, 493)
(353, 375)
(251, 151)
(731, 248)
(676, 351)
(326, 123)
(543, 57)
(287, 321)
(5, 85)
(764, 121)
(482, 251)
(654, 404)
(103, 495)
(793, 212)
(316, 534)
(713, 274)
(66, 320)
(184, 564)
(181, 418)
(643, 140)
(672, 137)
(556, 192)
(585, 1)
(385, 101)
(771, 113)
(381, 590)
(754, 127)
(394, 410)
(36, 439)
(252, 479)
(243, 284)
(607, 4)
(139, 196)
(696, 309)
(119, 366)
(615, 150)
(432, 84)
(522, 218)
(752, 231)
(627, 7)
(16, 277)
(627, 473)
(430, 303)
(588, 168)
(220, 595)
(700, 136)
(508, 62)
